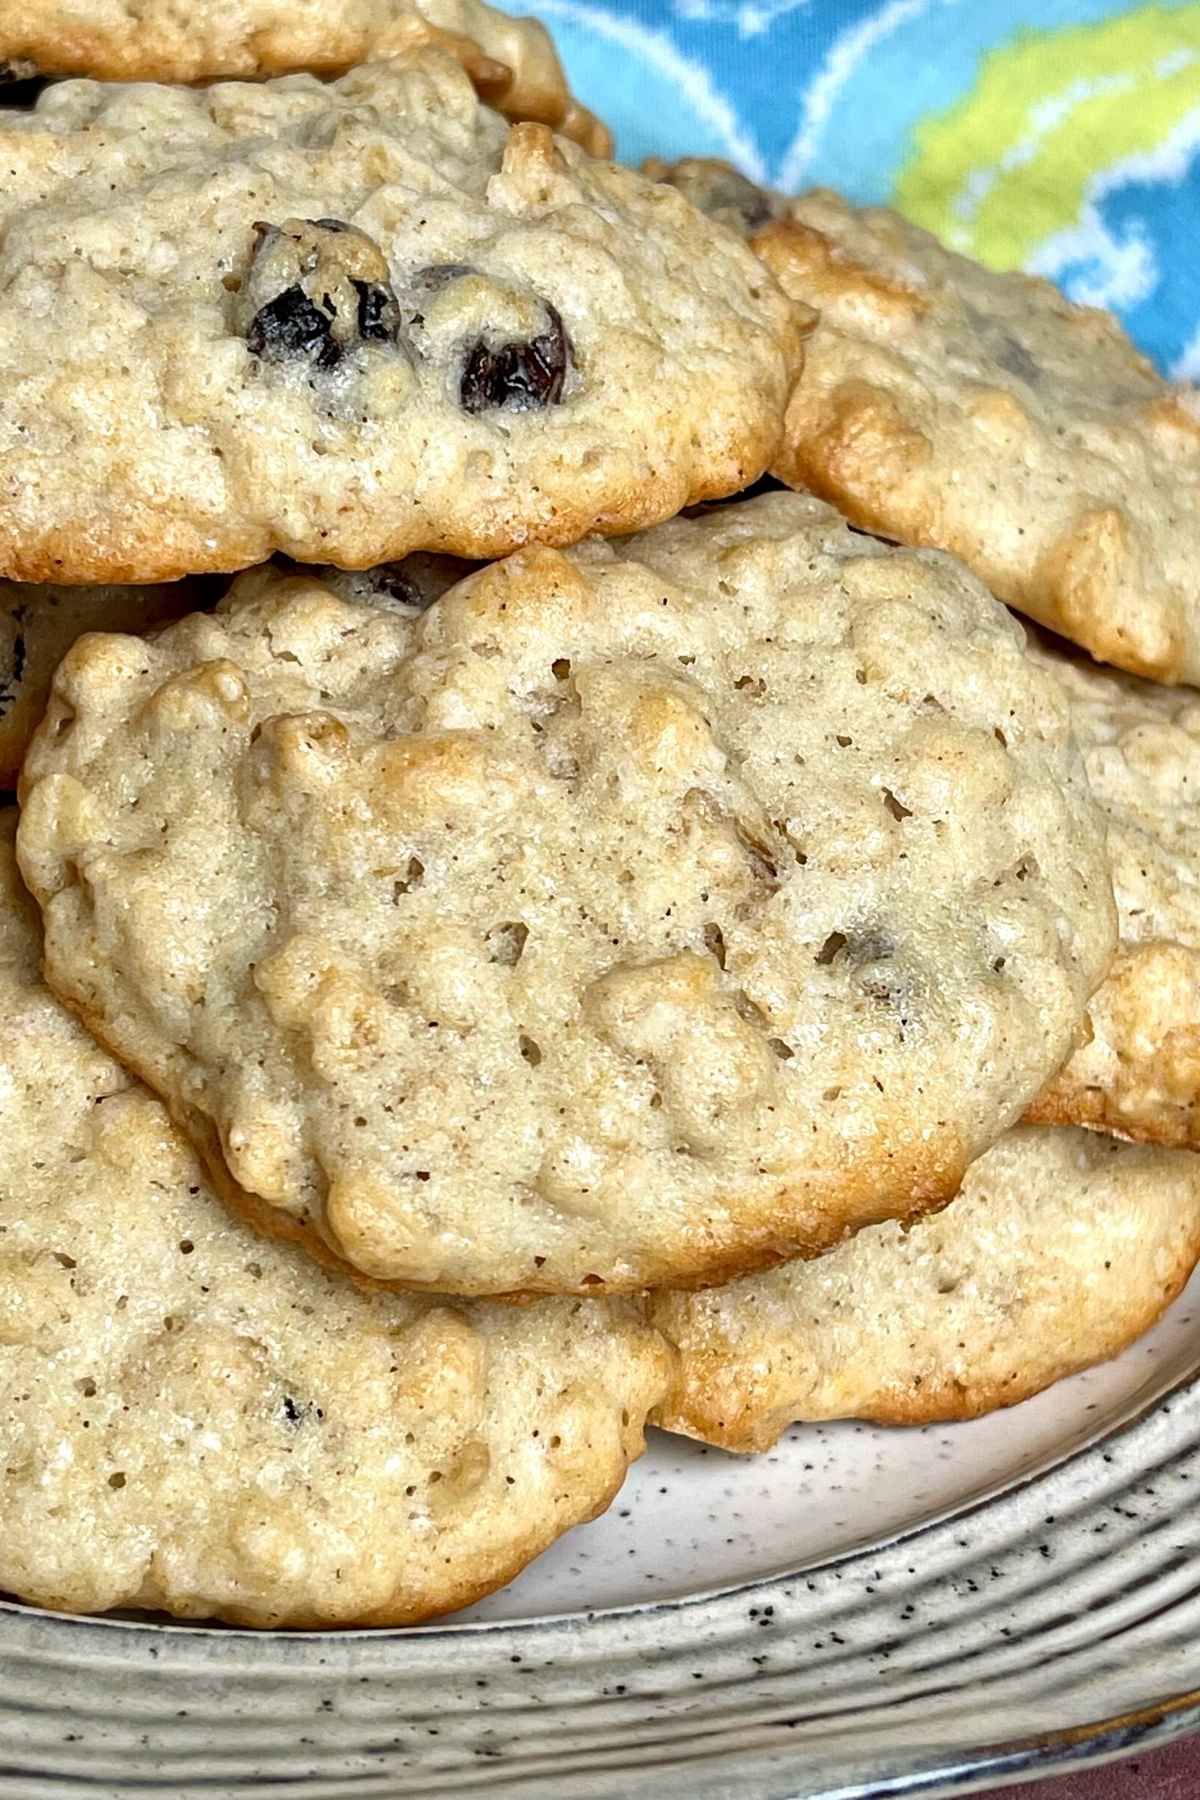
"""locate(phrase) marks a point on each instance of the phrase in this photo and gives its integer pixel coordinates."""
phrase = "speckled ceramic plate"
(861, 1612)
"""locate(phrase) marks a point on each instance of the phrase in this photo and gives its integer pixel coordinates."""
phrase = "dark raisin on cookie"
(316, 290)
(731, 195)
(419, 579)
(290, 326)
(517, 377)
(376, 312)
(519, 374)
(391, 582)
(719, 190)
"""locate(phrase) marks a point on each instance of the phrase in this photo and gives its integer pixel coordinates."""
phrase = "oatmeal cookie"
(945, 404)
(38, 625)
(196, 1420)
(349, 320)
(512, 62)
(641, 915)
(1061, 1249)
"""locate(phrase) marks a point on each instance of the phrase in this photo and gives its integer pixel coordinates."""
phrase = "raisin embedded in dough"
(366, 318)
(327, 289)
(719, 190)
(518, 376)
(408, 586)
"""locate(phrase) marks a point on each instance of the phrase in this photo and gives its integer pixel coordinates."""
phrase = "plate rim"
(450, 1626)
(575, 1661)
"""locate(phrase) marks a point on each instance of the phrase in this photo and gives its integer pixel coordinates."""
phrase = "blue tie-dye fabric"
(1061, 135)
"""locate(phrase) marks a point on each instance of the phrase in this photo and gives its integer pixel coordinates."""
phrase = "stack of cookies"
(495, 948)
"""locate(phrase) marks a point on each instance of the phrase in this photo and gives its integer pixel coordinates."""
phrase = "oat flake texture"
(1061, 1249)
(983, 413)
(512, 62)
(1138, 1070)
(347, 320)
(646, 914)
(195, 1420)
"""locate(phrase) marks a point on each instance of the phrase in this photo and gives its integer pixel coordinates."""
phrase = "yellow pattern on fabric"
(1009, 164)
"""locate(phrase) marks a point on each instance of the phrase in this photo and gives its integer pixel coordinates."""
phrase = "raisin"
(390, 580)
(409, 586)
(517, 377)
(316, 289)
(1015, 359)
(291, 326)
(376, 312)
(731, 196)
(718, 190)
(756, 213)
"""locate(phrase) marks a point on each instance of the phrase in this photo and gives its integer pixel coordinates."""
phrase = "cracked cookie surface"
(196, 1420)
(948, 405)
(641, 915)
(347, 320)
(1061, 1249)
(512, 62)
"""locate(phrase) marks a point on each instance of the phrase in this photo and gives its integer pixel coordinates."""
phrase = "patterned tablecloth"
(1061, 136)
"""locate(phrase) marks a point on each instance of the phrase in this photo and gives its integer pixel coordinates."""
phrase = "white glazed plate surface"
(859, 1612)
